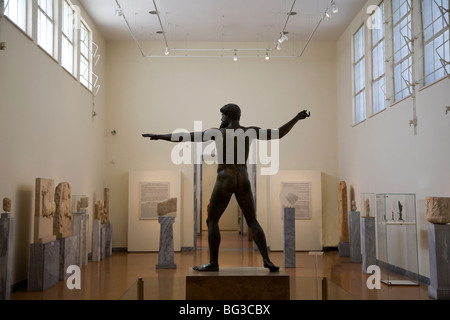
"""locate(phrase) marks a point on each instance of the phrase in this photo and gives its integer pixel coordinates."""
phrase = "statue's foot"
(269, 265)
(209, 267)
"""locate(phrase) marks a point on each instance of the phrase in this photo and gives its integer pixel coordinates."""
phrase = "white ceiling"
(220, 20)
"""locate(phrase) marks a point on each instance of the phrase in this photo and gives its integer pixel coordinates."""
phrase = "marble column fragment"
(166, 247)
(6, 250)
(355, 236)
(439, 255)
(289, 237)
(369, 253)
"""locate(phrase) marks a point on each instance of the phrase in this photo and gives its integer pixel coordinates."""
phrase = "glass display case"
(397, 253)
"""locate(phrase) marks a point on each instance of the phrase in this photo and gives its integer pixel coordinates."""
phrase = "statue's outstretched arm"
(183, 137)
(266, 134)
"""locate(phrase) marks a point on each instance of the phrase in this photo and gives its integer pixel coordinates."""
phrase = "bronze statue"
(232, 177)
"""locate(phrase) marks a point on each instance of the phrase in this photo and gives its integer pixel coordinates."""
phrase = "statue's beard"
(223, 124)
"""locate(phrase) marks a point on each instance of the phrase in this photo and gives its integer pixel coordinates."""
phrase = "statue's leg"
(218, 203)
(246, 202)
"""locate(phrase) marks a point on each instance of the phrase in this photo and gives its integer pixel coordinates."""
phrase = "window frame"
(65, 38)
(25, 11)
(433, 76)
(89, 58)
(41, 13)
(375, 44)
(359, 61)
(406, 59)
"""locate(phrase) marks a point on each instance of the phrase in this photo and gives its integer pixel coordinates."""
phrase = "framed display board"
(150, 194)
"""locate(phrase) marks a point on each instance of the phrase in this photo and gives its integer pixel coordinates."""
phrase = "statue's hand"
(303, 115)
(151, 136)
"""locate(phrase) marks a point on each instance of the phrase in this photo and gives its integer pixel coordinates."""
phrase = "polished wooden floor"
(114, 277)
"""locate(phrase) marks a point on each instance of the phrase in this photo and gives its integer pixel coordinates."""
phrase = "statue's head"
(232, 111)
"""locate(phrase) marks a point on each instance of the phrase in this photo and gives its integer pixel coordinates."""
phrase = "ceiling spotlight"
(119, 12)
(267, 56)
(167, 52)
(153, 12)
(326, 16)
(160, 32)
(283, 38)
(334, 7)
(292, 13)
(278, 46)
(235, 58)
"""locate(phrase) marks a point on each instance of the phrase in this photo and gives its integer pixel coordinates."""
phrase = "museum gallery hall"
(258, 150)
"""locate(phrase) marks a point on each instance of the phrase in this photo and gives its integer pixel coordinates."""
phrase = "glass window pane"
(16, 10)
(360, 107)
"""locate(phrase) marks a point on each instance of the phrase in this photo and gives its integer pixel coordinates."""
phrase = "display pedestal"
(108, 239)
(80, 228)
(237, 284)
(344, 249)
(369, 253)
(6, 250)
(355, 236)
(68, 254)
(98, 246)
(43, 270)
(439, 251)
(166, 251)
(289, 237)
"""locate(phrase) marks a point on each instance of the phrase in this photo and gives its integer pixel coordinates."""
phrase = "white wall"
(383, 154)
(46, 131)
(160, 95)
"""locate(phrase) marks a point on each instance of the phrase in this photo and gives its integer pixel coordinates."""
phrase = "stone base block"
(80, 228)
(344, 249)
(96, 240)
(68, 254)
(369, 253)
(43, 266)
(354, 225)
(237, 284)
(439, 254)
(6, 251)
(289, 237)
(108, 239)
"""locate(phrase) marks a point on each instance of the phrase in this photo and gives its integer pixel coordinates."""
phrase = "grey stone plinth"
(108, 239)
(68, 255)
(96, 240)
(289, 237)
(80, 228)
(344, 249)
(439, 252)
(102, 242)
(354, 224)
(43, 270)
(237, 284)
(369, 253)
(166, 251)
(6, 250)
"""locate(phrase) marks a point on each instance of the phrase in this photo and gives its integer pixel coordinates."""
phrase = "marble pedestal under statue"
(108, 239)
(68, 255)
(43, 270)
(355, 236)
(289, 237)
(80, 228)
(369, 253)
(6, 250)
(98, 241)
(166, 248)
(237, 284)
(439, 252)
